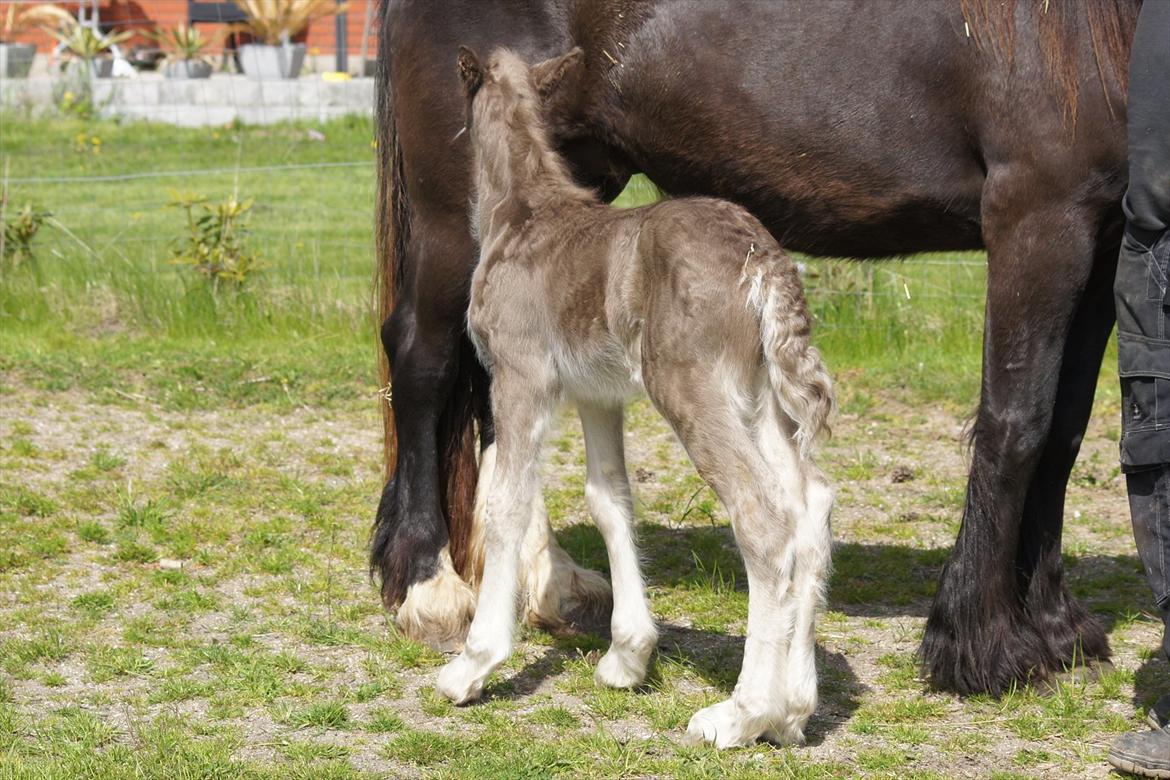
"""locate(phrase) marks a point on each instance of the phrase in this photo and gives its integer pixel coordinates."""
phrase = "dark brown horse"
(849, 127)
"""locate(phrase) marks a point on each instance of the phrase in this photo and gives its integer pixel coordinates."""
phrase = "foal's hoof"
(620, 669)
(458, 682)
(721, 726)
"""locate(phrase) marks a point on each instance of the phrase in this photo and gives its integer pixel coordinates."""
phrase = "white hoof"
(723, 726)
(620, 668)
(460, 681)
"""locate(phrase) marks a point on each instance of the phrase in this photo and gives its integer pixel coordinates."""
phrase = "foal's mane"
(518, 139)
(1060, 28)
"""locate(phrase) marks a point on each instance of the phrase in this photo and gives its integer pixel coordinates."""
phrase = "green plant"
(277, 22)
(44, 16)
(16, 245)
(185, 44)
(216, 240)
(83, 42)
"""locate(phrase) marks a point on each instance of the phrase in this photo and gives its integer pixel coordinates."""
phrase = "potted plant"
(88, 47)
(274, 25)
(16, 59)
(186, 52)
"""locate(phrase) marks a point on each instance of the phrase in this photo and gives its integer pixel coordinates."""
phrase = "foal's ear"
(549, 75)
(470, 72)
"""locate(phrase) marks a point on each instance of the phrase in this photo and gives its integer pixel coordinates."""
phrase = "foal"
(694, 302)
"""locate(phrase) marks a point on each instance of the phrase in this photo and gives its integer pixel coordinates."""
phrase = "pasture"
(188, 477)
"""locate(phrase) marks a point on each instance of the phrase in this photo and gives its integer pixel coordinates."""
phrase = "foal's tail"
(795, 370)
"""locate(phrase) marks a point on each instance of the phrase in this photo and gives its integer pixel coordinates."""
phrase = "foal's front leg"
(521, 415)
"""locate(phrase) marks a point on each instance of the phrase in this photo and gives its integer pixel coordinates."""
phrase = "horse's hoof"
(620, 669)
(721, 726)
(567, 599)
(437, 612)
(458, 682)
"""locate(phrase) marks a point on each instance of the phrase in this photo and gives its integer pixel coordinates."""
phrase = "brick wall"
(142, 15)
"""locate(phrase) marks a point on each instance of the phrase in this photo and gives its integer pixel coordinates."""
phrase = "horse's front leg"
(557, 591)
(980, 637)
(1074, 635)
(522, 406)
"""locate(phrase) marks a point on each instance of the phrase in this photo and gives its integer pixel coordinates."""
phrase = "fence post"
(341, 41)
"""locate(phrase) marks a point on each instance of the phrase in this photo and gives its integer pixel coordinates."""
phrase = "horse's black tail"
(397, 568)
(391, 229)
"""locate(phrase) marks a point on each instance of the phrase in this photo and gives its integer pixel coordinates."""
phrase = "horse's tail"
(390, 233)
(796, 372)
(400, 568)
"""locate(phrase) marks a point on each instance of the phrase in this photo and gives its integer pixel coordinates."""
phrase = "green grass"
(187, 480)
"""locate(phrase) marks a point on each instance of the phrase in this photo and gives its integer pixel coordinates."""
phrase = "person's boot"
(1143, 753)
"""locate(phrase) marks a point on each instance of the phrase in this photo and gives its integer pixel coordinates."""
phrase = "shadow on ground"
(868, 580)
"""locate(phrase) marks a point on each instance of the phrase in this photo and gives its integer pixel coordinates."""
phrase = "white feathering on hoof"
(438, 611)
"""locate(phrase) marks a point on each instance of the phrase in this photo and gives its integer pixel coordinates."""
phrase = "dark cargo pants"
(1142, 291)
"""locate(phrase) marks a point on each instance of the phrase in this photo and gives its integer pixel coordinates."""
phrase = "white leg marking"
(607, 493)
(489, 641)
(553, 584)
(779, 505)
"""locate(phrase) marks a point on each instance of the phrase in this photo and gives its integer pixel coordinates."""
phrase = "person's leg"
(1143, 299)
(1149, 504)
(1142, 291)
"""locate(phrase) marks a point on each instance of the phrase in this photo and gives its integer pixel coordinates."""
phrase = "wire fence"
(111, 187)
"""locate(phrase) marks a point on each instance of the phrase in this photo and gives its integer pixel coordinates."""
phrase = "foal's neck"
(517, 167)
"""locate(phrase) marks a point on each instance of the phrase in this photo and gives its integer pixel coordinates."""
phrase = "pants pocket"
(1145, 421)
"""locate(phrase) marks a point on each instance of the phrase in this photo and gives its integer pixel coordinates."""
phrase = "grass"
(187, 479)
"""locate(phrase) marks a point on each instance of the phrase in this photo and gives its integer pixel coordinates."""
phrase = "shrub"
(216, 244)
(20, 229)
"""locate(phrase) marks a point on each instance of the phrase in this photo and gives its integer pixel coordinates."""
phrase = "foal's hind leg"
(522, 408)
(812, 545)
(764, 516)
(607, 492)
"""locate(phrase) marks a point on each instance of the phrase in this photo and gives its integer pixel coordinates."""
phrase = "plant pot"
(16, 59)
(98, 67)
(188, 69)
(102, 67)
(263, 62)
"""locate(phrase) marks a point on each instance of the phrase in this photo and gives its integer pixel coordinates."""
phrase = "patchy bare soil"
(186, 593)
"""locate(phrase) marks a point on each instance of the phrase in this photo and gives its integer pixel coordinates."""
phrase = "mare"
(848, 128)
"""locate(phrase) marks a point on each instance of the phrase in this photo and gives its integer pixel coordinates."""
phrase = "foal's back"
(632, 291)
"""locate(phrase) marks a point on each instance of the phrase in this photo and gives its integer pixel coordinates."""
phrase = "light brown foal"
(690, 300)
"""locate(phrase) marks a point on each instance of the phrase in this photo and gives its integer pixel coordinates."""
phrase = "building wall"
(144, 15)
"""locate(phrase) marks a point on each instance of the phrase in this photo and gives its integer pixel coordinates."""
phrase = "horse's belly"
(836, 144)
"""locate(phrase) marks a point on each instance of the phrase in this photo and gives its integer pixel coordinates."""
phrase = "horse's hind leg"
(522, 407)
(607, 492)
(812, 543)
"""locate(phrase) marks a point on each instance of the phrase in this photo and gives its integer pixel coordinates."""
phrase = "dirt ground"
(194, 583)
